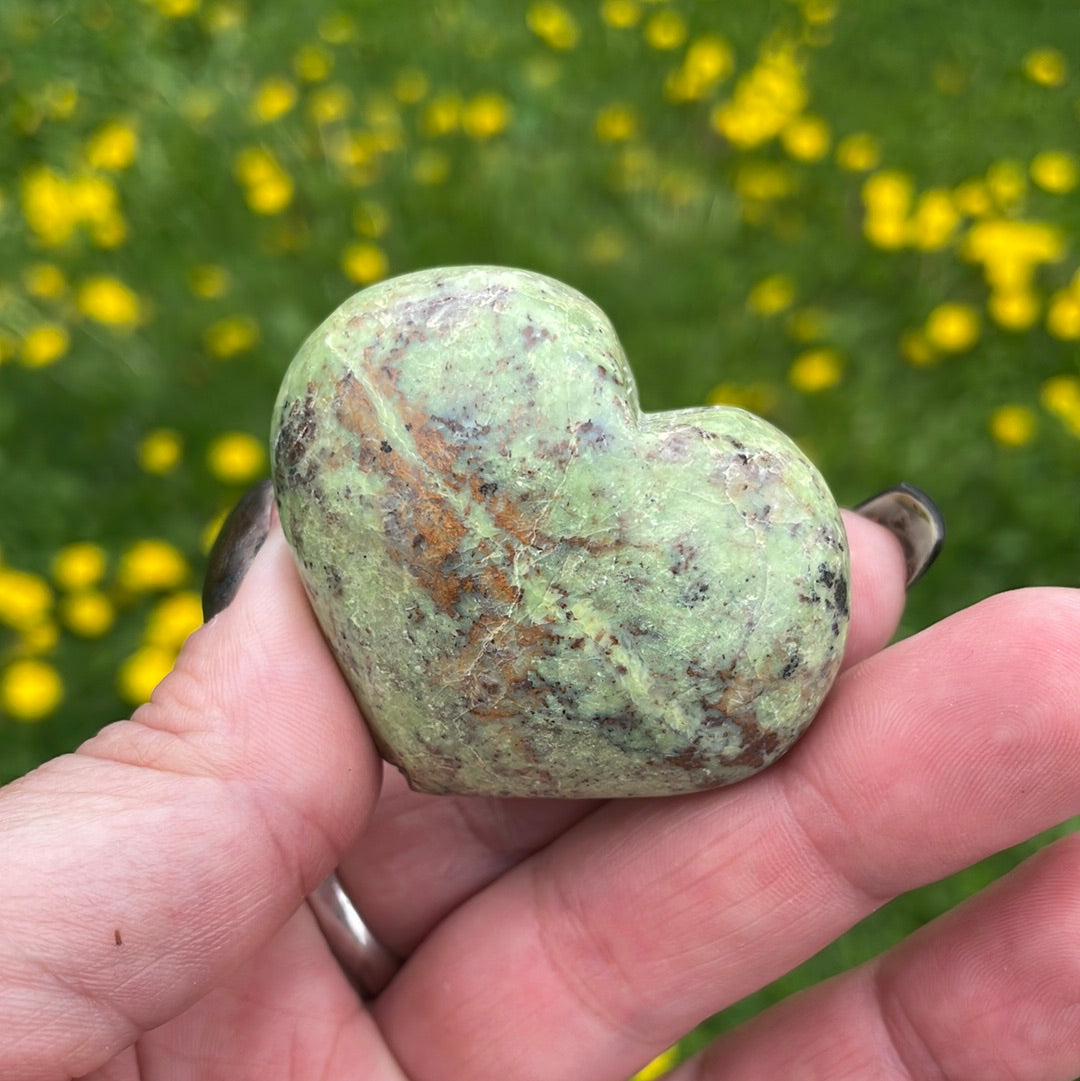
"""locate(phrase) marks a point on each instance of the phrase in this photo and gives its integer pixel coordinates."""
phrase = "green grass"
(663, 229)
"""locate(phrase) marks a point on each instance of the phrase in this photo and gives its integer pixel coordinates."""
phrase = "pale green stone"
(532, 587)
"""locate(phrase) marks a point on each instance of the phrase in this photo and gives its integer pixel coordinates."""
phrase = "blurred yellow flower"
(39, 638)
(113, 146)
(972, 198)
(771, 295)
(313, 63)
(708, 61)
(760, 398)
(109, 301)
(88, 613)
(916, 350)
(274, 97)
(25, 599)
(410, 86)
(142, 672)
(1055, 171)
(621, 14)
(1007, 183)
(806, 138)
(364, 263)
(208, 281)
(159, 452)
(807, 324)
(30, 690)
(177, 9)
(371, 219)
(816, 370)
(151, 565)
(268, 188)
(47, 205)
(173, 619)
(953, 327)
(1063, 315)
(888, 193)
(337, 28)
(659, 1066)
(553, 24)
(45, 281)
(329, 104)
(1012, 425)
(616, 123)
(934, 220)
(819, 12)
(1009, 250)
(766, 99)
(665, 30)
(80, 565)
(442, 115)
(1014, 309)
(1045, 66)
(762, 181)
(231, 336)
(485, 115)
(430, 167)
(236, 457)
(44, 344)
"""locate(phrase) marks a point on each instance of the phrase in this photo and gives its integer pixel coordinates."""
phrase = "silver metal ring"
(366, 961)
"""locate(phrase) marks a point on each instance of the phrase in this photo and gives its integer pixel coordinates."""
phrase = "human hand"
(151, 916)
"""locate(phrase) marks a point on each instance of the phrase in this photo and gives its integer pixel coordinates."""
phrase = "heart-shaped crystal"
(533, 587)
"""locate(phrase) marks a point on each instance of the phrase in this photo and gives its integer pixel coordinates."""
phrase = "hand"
(151, 884)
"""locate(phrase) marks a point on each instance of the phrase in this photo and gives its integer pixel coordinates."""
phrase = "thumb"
(136, 873)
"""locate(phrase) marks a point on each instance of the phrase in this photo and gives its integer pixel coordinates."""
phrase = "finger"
(424, 855)
(649, 916)
(169, 846)
(988, 991)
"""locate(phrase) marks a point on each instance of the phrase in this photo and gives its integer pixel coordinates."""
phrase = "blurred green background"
(856, 219)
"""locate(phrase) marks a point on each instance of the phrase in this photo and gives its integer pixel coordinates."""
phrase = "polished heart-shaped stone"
(532, 587)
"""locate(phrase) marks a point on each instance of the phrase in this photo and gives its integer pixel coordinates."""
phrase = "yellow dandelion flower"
(858, 153)
(665, 30)
(159, 452)
(621, 14)
(1045, 66)
(766, 99)
(806, 138)
(337, 28)
(485, 116)
(313, 63)
(916, 349)
(45, 281)
(553, 24)
(1060, 396)
(819, 12)
(709, 59)
(1055, 171)
(110, 231)
(236, 458)
(971, 197)
(39, 638)
(47, 206)
(142, 672)
(268, 189)
(273, 98)
(430, 167)
(411, 86)
(953, 327)
(208, 281)
(60, 99)
(1009, 250)
(78, 566)
(173, 619)
(763, 181)
(616, 123)
(1007, 183)
(772, 295)
(151, 565)
(88, 613)
(25, 599)
(815, 370)
(44, 344)
(442, 115)
(1063, 315)
(888, 192)
(231, 336)
(364, 263)
(329, 104)
(659, 1066)
(934, 221)
(886, 231)
(1012, 425)
(30, 690)
(177, 9)
(371, 219)
(109, 301)
(760, 398)
(1014, 309)
(112, 147)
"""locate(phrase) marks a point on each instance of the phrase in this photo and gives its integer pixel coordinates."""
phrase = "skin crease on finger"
(648, 916)
(436, 851)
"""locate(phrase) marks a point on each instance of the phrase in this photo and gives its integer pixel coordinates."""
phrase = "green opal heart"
(532, 587)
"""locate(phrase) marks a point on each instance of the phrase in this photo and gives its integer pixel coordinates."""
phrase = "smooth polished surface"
(534, 588)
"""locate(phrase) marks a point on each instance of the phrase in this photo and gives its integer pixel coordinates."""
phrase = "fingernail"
(238, 543)
(914, 519)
